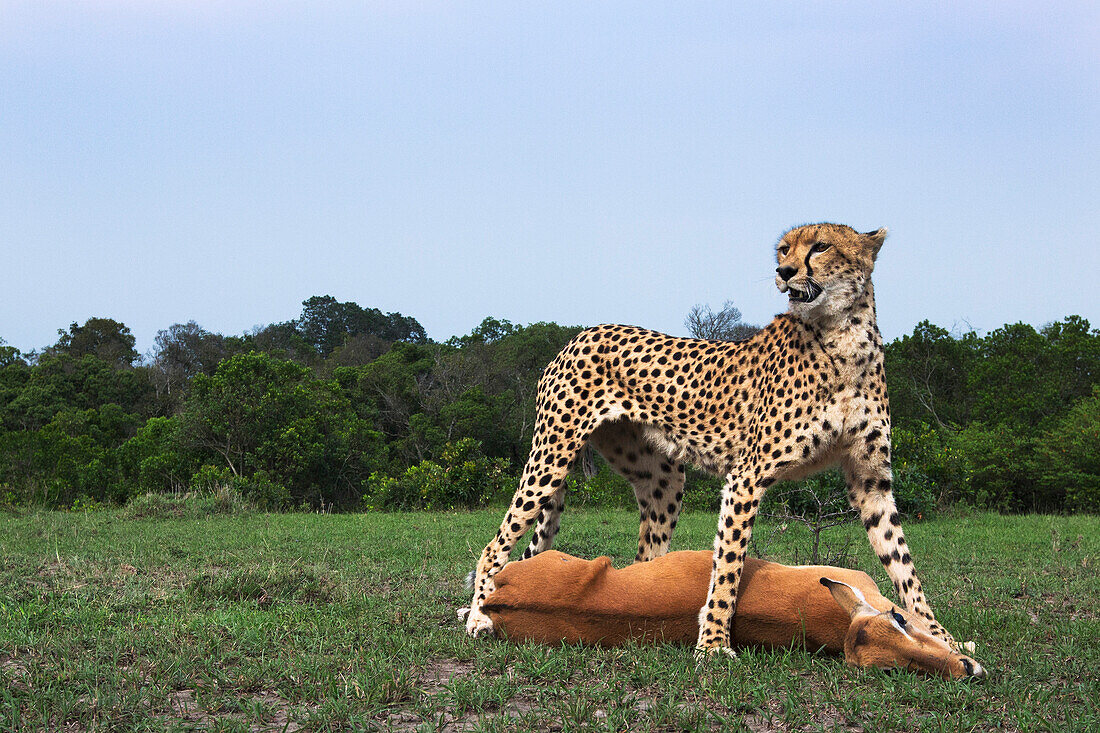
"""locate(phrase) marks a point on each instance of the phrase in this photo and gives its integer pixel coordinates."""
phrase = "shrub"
(702, 491)
(262, 490)
(464, 478)
(1069, 457)
(152, 459)
(259, 490)
(604, 489)
(929, 467)
(260, 414)
(915, 493)
(1000, 470)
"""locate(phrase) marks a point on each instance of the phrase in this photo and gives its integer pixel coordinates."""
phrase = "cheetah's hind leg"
(549, 522)
(658, 483)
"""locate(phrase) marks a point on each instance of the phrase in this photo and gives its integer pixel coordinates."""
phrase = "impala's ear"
(848, 598)
(874, 240)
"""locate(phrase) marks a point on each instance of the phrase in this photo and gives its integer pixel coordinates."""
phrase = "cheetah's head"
(825, 268)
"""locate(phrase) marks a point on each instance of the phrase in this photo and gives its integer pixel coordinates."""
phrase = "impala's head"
(895, 638)
(825, 268)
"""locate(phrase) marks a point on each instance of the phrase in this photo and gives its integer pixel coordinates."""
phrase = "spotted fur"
(806, 392)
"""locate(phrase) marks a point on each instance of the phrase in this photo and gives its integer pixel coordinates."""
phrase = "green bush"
(152, 460)
(702, 491)
(264, 491)
(274, 421)
(816, 495)
(1070, 456)
(73, 456)
(915, 493)
(464, 478)
(929, 467)
(604, 489)
(1000, 470)
(259, 490)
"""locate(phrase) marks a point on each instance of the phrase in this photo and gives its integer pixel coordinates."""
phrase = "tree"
(1028, 379)
(104, 338)
(389, 391)
(927, 376)
(184, 350)
(60, 382)
(1075, 357)
(1070, 459)
(262, 416)
(490, 330)
(722, 325)
(326, 324)
(9, 355)
(153, 460)
(358, 350)
(282, 340)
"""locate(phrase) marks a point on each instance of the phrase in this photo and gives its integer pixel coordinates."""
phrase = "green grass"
(323, 622)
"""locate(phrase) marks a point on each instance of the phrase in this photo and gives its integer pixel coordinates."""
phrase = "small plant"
(85, 503)
(8, 498)
(818, 503)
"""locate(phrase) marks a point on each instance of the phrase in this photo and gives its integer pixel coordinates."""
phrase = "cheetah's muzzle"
(808, 295)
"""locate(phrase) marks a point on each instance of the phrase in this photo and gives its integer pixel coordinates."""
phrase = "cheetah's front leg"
(739, 504)
(543, 477)
(867, 472)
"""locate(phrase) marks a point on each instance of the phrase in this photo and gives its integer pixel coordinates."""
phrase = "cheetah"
(805, 393)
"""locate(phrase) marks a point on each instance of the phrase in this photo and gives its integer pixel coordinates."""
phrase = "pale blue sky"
(575, 162)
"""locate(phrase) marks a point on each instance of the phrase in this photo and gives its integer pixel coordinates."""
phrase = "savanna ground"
(332, 622)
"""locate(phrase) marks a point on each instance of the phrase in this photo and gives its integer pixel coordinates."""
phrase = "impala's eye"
(898, 618)
(820, 246)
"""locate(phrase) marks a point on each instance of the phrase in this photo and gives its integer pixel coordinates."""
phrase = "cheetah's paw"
(477, 623)
(705, 654)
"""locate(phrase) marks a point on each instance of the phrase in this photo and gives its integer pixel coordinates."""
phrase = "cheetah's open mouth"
(807, 295)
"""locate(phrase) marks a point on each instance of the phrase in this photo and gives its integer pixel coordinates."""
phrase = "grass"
(246, 621)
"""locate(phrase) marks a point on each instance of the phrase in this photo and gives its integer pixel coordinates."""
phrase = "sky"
(578, 162)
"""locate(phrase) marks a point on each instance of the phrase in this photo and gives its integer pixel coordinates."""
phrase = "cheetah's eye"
(783, 250)
(820, 246)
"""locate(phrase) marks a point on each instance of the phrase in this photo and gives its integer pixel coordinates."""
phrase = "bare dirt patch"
(185, 710)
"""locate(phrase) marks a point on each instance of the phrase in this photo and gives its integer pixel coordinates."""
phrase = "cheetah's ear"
(875, 239)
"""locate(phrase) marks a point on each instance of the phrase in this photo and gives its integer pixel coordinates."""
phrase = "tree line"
(352, 408)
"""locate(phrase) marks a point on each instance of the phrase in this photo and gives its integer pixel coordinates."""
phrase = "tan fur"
(554, 598)
(806, 392)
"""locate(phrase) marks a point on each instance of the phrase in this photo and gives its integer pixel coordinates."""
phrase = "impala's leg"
(740, 500)
(553, 451)
(869, 478)
(658, 483)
